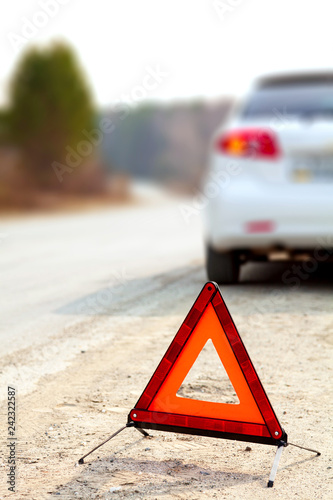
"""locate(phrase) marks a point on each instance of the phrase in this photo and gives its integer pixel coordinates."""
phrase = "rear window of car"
(295, 100)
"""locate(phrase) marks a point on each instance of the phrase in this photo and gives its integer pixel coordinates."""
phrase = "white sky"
(203, 54)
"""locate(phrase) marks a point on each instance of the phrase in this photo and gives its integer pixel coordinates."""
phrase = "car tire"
(222, 267)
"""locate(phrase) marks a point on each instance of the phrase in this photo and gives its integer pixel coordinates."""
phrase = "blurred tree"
(3, 126)
(50, 106)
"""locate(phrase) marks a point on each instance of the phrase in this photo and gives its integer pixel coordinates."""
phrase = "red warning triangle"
(159, 407)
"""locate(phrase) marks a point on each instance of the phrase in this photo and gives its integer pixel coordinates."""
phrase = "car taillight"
(254, 143)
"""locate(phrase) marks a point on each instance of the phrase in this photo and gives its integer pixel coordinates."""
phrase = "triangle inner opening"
(207, 379)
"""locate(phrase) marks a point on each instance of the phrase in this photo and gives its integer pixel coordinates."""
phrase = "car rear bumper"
(248, 216)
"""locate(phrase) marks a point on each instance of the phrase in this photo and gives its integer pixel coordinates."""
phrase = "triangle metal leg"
(81, 461)
(275, 466)
(143, 432)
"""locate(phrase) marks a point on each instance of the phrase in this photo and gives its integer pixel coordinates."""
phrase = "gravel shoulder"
(290, 343)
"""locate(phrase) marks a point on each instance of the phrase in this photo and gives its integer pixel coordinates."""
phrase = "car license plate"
(312, 169)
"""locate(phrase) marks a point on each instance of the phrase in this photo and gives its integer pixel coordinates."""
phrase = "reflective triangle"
(160, 405)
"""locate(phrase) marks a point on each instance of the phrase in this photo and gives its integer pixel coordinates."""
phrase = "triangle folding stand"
(160, 408)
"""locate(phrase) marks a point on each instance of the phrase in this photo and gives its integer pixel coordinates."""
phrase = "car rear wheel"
(222, 267)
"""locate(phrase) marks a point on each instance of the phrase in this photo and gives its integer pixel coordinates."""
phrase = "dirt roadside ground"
(290, 343)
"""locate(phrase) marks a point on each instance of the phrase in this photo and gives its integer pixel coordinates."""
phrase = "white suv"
(272, 168)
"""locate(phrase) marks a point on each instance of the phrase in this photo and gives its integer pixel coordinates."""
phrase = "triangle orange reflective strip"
(252, 419)
(166, 400)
